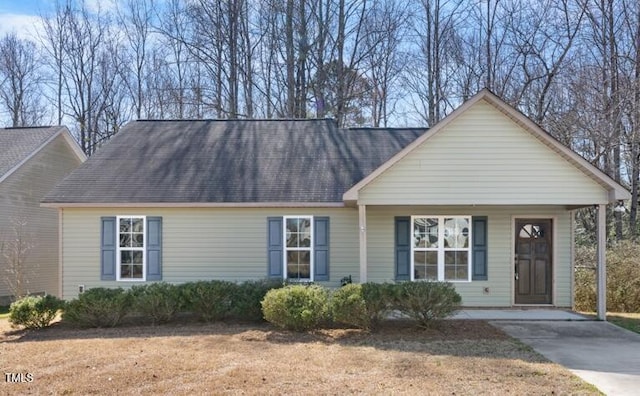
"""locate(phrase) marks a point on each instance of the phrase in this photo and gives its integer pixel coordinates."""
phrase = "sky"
(24, 16)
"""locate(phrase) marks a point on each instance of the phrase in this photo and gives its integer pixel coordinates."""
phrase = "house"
(485, 199)
(32, 162)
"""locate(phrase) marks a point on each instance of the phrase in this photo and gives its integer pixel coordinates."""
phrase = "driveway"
(602, 354)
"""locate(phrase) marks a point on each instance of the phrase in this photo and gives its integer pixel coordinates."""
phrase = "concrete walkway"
(518, 314)
(602, 354)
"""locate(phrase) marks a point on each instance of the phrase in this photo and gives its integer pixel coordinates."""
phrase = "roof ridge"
(386, 128)
(32, 127)
(232, 119)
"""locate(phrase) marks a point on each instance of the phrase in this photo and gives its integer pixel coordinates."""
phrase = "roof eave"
(192, 204)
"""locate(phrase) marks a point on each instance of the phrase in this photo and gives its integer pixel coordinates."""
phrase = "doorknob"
(515, 265)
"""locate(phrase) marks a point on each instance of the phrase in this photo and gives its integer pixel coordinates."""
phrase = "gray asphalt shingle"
(227, 161)
(16, 144)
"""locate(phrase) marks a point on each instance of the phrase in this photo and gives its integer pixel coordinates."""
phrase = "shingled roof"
(230, 161)
(18, 144)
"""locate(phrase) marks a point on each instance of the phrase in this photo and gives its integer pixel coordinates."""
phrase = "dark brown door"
(533, 261)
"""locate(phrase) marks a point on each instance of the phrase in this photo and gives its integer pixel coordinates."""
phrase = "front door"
(533, 265)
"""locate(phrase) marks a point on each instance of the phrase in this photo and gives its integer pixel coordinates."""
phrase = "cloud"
(25, 26)
(102, 6)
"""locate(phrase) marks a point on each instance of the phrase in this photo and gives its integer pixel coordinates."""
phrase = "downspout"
(362, 225)
(602, 263)
(60, 251)
(572, 258)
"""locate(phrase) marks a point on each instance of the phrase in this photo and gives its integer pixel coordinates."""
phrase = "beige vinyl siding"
(20, 196)
(482, 158)
(380, 252)
(202, 243)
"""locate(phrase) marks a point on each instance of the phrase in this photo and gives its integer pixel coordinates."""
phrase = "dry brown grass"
(459, 357)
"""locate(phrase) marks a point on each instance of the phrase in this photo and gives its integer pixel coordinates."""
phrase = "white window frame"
(441, 249)
(286, 249)
(143, 249)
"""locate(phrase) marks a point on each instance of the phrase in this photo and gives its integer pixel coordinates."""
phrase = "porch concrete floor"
(519, 314)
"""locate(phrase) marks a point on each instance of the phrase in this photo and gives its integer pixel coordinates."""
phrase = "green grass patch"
(629, 321)
(4, 311)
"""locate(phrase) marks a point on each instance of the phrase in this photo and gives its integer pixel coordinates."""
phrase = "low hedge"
(98, 307)
(158, 302)
(34, 312)
(296, 307)
(210, 300)
(247, 299)
(367, 305)
(426, 302)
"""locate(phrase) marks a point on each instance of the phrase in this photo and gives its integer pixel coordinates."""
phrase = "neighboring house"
(484, 199)
(32, 162)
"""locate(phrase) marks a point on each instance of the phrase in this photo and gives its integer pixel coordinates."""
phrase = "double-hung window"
(298, 248)
(131, 248)
(298, 257)
(441, 248)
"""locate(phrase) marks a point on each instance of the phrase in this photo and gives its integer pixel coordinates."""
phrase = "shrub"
(34, 312)
(246, 304)
(379, 299)
(426, 301)
(623, 278)
(348, 306)
(157, 301)
(296, 307)
(99, 307)
(210, 300)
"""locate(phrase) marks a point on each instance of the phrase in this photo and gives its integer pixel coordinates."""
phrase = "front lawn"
(459, 357)
(629, 321)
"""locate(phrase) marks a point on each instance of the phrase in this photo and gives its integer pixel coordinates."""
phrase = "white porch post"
(362, 223)
(602, 263)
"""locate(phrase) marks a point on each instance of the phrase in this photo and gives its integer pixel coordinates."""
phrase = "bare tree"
(53, 42)
(20, 81)
(542, 49)
(633, 112)
(136, 19)
(435, 28)
(15, 251)
(385, 30)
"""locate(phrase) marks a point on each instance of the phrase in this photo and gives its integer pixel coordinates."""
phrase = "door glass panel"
(531, 231)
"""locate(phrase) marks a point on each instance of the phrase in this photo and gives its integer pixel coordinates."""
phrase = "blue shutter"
(154, 248)
(108, 248)
(403, 248)
(274, 247)
(479, 248)
(321, 249)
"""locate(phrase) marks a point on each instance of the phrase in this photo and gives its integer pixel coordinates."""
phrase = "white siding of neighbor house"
(20, 196)
(230, 244)
(482, 158)
(380, 252)
(203, 244)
